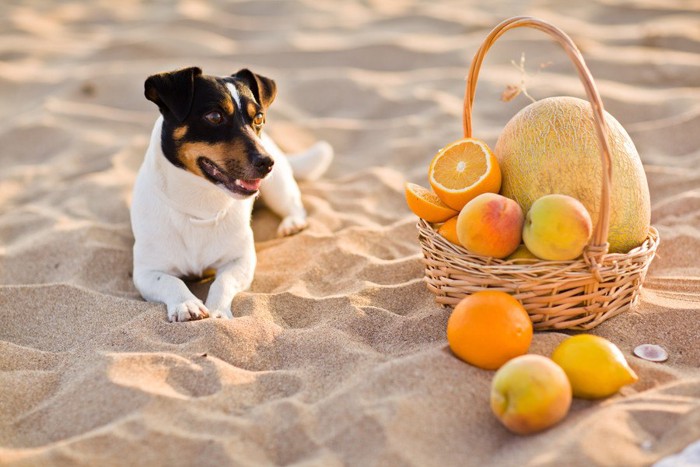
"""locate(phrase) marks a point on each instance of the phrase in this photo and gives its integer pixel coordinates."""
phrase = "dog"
(207, 160)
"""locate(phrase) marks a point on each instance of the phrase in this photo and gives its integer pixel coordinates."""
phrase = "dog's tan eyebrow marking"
(252, 109)
(227, 104)
(180, 132)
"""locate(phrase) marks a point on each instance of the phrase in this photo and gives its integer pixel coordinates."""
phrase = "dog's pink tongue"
(251, 185)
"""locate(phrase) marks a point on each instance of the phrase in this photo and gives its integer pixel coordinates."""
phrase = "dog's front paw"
(291, 225)
(222, 314)
(188, 310)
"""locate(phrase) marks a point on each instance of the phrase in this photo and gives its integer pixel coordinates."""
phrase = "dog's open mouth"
(234, 185)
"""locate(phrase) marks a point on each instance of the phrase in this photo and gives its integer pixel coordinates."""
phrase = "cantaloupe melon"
(551, 146)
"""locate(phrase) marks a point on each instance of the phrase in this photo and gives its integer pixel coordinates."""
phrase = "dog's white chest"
(183, 224)
(185, 246)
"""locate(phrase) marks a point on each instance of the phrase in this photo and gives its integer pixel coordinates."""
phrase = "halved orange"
(426, 204)
(463, 170)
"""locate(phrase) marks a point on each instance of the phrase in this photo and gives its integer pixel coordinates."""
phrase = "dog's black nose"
(263, 164)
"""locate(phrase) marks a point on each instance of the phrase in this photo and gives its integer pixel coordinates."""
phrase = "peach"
(557, 227)
(490, 225)
(530, 393)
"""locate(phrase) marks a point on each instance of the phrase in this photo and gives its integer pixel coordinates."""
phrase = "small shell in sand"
(651, 352)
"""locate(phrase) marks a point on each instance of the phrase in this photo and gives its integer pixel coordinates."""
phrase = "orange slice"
(463, 170)
(426, 204)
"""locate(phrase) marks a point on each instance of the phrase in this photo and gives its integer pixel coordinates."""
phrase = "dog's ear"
(264, 89)
(173, 92)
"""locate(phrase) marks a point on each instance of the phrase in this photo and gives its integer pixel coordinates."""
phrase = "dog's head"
(212, 125)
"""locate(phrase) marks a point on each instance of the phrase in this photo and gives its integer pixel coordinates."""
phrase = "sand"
(337, 354)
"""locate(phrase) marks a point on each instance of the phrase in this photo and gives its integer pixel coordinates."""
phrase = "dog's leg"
(156, 286)
(231, 278)
(280, 192)
(312, 163)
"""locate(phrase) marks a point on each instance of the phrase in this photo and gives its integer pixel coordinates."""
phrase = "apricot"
(530, 393)
(490, 225)
(557, 227)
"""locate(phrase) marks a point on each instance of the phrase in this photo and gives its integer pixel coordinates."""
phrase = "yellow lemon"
(595, 366)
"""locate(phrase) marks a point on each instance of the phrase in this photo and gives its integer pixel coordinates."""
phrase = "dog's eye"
(258, 120)
(214, 117)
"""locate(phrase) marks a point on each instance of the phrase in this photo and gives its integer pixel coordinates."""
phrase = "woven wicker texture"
(577, 294)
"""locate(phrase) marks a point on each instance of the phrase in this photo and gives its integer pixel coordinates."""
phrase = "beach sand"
(337, 354)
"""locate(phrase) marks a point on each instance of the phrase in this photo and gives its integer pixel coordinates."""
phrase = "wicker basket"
(577, 294)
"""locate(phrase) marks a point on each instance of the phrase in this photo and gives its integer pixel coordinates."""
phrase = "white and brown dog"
(207, 160)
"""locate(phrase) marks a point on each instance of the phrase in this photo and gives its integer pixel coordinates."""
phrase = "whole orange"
(488, 328)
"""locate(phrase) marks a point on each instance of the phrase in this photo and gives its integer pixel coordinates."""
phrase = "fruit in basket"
(462, 170)
(550, 146)
(529, 394)
(490, 225)
(521, 253)
(449, 230)
(557, 227)
(488, 328)
(595, 366)
(426, 204)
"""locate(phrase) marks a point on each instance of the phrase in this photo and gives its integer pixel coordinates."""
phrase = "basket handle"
(598, 244)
